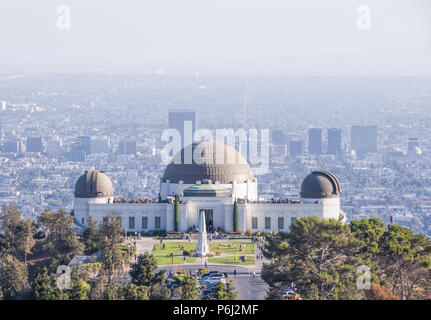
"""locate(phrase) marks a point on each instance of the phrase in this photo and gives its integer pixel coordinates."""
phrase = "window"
(157, 223)
(267, 222)
(144, 223)
(280, 223)
(292, 220)
(83, 221)
(131, 222)
(254, 223)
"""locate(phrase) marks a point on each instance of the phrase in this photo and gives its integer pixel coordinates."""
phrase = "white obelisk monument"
(202, 248)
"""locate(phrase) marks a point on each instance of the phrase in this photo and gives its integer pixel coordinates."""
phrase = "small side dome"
(320, 184)
(94, 184)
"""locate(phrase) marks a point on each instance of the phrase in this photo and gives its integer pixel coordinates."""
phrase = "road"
(246, 287)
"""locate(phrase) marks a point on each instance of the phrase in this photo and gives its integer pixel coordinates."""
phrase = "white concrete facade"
(137, 217)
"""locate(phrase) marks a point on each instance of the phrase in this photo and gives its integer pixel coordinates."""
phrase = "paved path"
(144, 245)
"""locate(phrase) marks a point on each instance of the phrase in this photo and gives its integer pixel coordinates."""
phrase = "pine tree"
(113, 237)
(176, 214)
(13, 275)
(190, 290)
(42, 288)
(235, 216)
(134, 292)
(79, 288)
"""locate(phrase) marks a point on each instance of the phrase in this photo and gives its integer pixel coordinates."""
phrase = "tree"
(60, 236)
(13, 275)
(230, 292)
(176, 214)
(134, 292)
(235, 216)
(190, 290)
(112, 238)
(319, 256)
(225, 292)
(44, 288)
(92, 237)
(143, 271)
(158, 292)
(110, 292)
(405, 259)
(79, 288)
(16, 233)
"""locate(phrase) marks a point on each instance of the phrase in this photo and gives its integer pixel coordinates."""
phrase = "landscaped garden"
(232, 247)
(249, 260)
(177, 260)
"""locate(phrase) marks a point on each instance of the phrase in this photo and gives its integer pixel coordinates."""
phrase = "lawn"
(229, 247)
(249, 260)
(161, 260)
(172, 246)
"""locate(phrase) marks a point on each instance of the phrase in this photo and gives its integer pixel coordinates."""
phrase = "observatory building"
(208, 177)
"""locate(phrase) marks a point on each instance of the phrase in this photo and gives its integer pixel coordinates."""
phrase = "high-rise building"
(100, 145)
(53, 147)
(127, 147)
(84, 143)
(34, 145)
(11, 146)
(296, 147)
(363, 139)
(185, 122)
(334, 140)
(315, 141)
(277, 137)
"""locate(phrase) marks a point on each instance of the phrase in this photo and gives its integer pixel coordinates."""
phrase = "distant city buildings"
(334, 141)
(413, 146)
(83, 143)
(315, 141)
(127, 147)
(34, 145)
(100, 145)
(363, 139)
(277, 137)
(296, 147)
(185, 121)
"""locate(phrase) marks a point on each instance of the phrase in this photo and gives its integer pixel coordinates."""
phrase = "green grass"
(249, 247)
(161, 260)
(172, 246)
(249, 260)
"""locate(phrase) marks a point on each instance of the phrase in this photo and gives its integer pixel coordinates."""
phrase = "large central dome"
(212, 160)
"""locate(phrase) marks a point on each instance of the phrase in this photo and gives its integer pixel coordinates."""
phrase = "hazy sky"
(236, 36)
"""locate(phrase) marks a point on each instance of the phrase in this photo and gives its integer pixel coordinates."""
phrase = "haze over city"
(319, 190)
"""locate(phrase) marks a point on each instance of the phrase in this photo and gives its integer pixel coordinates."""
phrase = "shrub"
(186, 253)
(180, 271)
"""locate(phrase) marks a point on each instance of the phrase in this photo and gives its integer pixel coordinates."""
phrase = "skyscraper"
(34, 145)
(334, 140)
(277, 137)
(127, 147)
(315, 141)
(363, 139)
(84, 144)
(296, 147)
(185, 122)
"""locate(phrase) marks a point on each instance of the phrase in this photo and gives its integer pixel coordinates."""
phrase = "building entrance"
(209, 219)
